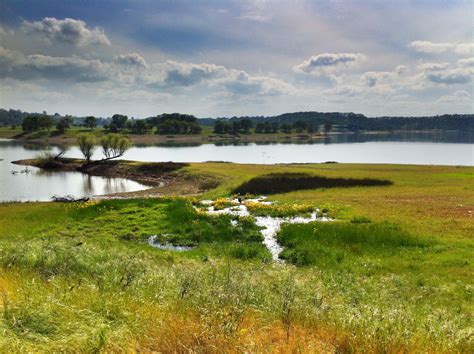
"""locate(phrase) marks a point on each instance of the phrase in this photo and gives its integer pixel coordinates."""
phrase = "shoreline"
(162, 178)
(137, 139)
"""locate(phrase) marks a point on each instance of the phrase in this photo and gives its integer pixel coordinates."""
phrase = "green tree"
(64, 124)
(286, 128)
(140, 126)
(259, 128)
(90, 122)
(246, 125)
(311, 128)
(31, 123)
(46, 122)
(219, 127)
(114, 145)
(118, 122)
(327, 128)
(86, 144)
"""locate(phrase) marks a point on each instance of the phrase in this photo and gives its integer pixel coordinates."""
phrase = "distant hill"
(355, 122)
(339, 121)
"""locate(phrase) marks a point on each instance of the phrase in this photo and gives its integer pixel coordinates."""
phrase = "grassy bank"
(394, 273)
(207, 136)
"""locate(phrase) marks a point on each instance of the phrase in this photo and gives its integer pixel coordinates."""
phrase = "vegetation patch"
(326, 244)
(275, 183)
(278, 210)
(160, 167)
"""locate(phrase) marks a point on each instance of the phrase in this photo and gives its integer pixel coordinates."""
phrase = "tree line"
(245, 125)
(299, 122)
(346, 122)
(174, 123)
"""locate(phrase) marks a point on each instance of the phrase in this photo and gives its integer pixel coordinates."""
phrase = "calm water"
(439, 149)
(423, 149)
(38, 185)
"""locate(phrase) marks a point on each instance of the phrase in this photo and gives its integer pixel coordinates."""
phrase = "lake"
(38, 185)
(423, 149)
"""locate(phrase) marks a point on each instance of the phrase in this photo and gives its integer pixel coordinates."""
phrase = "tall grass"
(329, 243)
(82, 278)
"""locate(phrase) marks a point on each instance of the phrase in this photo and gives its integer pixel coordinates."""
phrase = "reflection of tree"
(88, 185)
(114, 185)
(37, 147)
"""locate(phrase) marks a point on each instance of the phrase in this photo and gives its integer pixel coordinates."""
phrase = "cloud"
(450, 77)
(181, 74)
(428, 47)
(328, 62)
(344, 90)
(67, 31)
(241, 83)
(188, 74)
(469, 62)
(255, 10)
(464, 49)
(132, 60)
(432, 66)
(458, 97)
(6, 32)
(371, 78)
(15, 65)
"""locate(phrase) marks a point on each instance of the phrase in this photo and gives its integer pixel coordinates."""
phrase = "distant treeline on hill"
(176, 123)
(356, 122)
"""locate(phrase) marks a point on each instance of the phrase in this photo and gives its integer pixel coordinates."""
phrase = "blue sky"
(225, 58)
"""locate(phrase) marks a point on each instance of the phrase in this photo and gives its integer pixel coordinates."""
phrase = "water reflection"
(42, 185)
(407, 148)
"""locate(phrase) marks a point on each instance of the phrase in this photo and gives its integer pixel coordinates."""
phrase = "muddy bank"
(163, 178)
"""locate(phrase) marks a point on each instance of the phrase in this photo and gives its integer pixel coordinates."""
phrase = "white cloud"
(329, 62)
(430, 47)
(460, 96)
(67, 31)
(241, 83)
(132, 60)
(442, 47)
(255, 10)
(450, 77)
(469, 62)
(465, 49)
(178, 75)
(432, 66)
(188, 74)
(16, 65)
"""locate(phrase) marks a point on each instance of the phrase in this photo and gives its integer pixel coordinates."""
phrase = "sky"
(231, 58)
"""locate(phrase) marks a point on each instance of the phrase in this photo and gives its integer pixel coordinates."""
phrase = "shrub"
(86, 144)
(114, 145)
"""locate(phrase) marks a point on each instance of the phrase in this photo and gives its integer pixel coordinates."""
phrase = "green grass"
(9, 133)
(393, 274)
(326, 244)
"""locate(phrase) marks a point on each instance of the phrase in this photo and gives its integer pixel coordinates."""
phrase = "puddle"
(270, 225)
(166, 246)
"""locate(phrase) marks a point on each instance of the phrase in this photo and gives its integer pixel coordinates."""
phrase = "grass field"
(394, 273)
